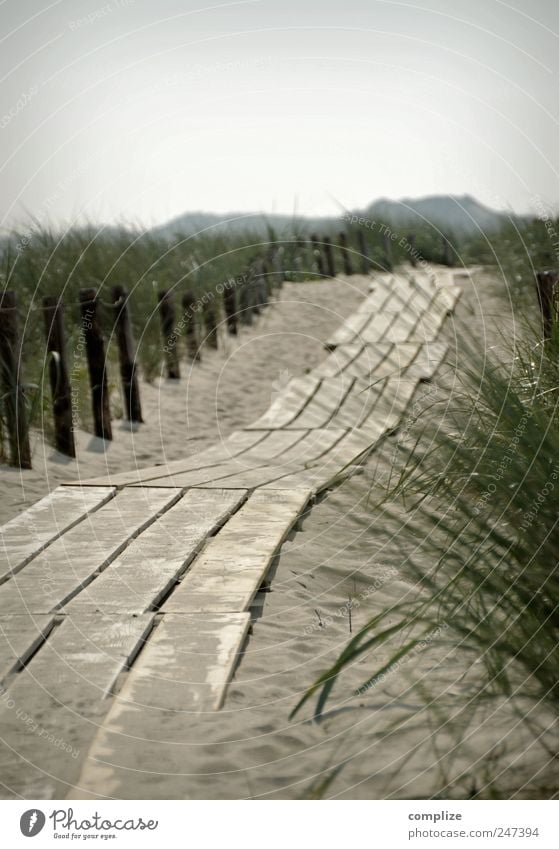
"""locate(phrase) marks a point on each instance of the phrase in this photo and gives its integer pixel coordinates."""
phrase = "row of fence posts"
(241, 300)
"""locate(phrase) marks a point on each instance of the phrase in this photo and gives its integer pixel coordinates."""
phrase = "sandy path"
(379, 744)
(229, 389)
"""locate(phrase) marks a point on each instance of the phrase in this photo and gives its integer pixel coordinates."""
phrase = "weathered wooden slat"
(349, 331)
(308, 450)
(335, 465)
(385, 359)
(72, 560)
(233, 446)
(378, 299)
(328, 398)
(338, 361)
(30, 532)
(275, 444)
(402, 329)
(427, 361)
(225, 474)
(54, 706)
(184, 670)
(20, 635)
(394, 401)
(431, 320)
(359, 405)
(230, 570)
(288, 404)
(377, 329)
(148, 568)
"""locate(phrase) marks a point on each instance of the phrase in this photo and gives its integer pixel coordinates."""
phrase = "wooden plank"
(71, 561)
(359, 405)
(185, 666)
(30, 532)
(54, 706)
(338, 361)
(20, 636)
(349, 331)
(392, 405)
(230, 570)
(276, 443)
(328, 398)
(335, 465)
(226, 474)
(427, 361)
(377, 329)
(380, 296)
(432, 319)
(235, 444)
(288, 404)
(383, 359)
(308, 450)
(184, 670)
(149, 567)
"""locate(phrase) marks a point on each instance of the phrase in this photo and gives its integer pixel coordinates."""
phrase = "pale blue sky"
(142, 110)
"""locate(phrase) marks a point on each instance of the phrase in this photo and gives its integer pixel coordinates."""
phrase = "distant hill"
(235, 222)
(460, 215)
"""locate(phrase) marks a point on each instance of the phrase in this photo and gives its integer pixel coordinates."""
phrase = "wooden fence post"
(387, 246)
(252, 287)
(209, 311)
(12, 390)
(546, 285)
(346, 260)
(170, 339)
(127, 356)
(329, 257)
(190, 329)
(244, 301)
(277, 263)
(230, 306)
(317, 255)
(96, 363)
(413, 257)
(61, 391)
(364, 252)
(263, 274)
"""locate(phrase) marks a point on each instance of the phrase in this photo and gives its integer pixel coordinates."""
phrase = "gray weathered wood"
(20, 636)
(96, 362)
(235, 444)
(54, 706)
(27, 534)
(428, 359)
(61, 391)
(288, 404)
(338, 361)
(184, 670)
(328, 398)
(148, 568)
(349, 331)
(11, 386)
(72, 560)
(230, 570)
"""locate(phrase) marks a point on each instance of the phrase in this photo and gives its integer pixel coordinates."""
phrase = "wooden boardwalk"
(125, 599)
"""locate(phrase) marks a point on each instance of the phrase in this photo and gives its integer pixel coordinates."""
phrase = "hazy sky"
(143, 109)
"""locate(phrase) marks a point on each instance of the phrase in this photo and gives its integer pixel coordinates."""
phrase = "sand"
(383, 742)
(228, 389)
